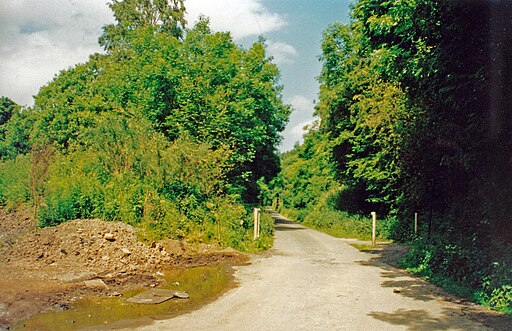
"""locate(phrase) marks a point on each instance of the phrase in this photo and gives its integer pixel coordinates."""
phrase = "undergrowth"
(464, 270)
(127, 172)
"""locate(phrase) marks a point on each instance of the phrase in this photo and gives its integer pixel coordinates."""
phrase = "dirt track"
(311, 281)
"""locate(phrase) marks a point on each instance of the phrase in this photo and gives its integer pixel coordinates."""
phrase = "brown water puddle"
(203, 284)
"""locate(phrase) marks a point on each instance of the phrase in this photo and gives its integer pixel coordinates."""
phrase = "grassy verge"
(344, 225)
(463, 270)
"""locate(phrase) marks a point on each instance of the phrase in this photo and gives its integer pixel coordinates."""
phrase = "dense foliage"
(169, 130)
(205, 86)
(413, 104)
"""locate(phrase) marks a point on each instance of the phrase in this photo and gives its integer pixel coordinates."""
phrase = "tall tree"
(166, 16)
(15, 126)
(7, 109)
(204, 86)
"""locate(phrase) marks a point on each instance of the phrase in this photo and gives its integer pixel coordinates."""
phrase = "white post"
(374, 229)
(256, 223)
(415, 224)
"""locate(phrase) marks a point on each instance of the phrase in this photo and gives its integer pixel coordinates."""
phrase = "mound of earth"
(48, 268)
(96, 246)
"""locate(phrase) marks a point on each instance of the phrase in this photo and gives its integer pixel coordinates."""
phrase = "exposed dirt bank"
(47, 269)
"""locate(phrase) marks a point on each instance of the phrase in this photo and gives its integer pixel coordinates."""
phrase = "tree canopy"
(163, 16)
(170, 129)
(204, 86)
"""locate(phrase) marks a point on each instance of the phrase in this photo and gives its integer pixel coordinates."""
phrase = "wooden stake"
(256, 223)
(374, 229)
(415, 224)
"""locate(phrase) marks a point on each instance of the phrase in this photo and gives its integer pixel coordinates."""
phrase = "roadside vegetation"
(168, 131)
(412, 118)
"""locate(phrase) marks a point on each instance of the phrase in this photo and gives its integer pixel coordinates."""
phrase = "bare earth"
(47, 269)
(312, 281)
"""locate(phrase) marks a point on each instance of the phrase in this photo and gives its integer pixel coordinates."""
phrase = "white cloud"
(244, 18)
(301, 117)
(40, 38)
(294, 134)
(301, 104)
(283, 53)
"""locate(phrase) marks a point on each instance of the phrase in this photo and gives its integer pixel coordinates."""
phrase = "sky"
(39, 38)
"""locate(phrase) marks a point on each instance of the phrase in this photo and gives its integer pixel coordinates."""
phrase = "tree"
(307, 175)
(416, 114)
(7, 109)
(163, 16)
(15, 126)
(204, 87)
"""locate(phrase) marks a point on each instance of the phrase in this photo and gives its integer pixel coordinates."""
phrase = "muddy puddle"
(203, 284)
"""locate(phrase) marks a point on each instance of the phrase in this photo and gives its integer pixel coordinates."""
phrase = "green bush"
(501, 298)
(130, 173)
(463, 270)
(14, 181)
(496, 289)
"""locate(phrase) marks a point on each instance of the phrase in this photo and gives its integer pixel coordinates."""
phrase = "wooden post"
(259, 215)
(256, 223)
(415, 224)
(374, 229)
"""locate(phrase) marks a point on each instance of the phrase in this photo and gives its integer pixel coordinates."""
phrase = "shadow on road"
(421, 319)
(399, 281)
(283, 224)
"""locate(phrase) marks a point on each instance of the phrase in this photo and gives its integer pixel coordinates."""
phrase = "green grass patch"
(365, 247)
(344, 225)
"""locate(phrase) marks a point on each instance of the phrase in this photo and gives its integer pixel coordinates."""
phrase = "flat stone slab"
(156, 296)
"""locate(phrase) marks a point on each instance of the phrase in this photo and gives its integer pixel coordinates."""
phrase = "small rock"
(3, 309)
(62, 306)
(109, 236)
(396, 290)
(180, 294)
(96, 283)
(158, 273)
(126, 251)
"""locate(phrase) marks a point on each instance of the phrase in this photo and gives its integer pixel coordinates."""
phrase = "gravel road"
(312, 281)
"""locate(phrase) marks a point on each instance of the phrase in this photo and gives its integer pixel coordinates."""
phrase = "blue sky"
(306, 21)
(40, 38)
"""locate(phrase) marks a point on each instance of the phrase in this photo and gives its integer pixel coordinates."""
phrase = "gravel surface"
(312, 281)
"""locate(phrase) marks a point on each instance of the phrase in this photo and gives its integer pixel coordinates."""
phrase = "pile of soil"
(47, 268)
(96, 246)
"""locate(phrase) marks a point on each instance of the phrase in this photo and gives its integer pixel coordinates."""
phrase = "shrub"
(14, 181)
